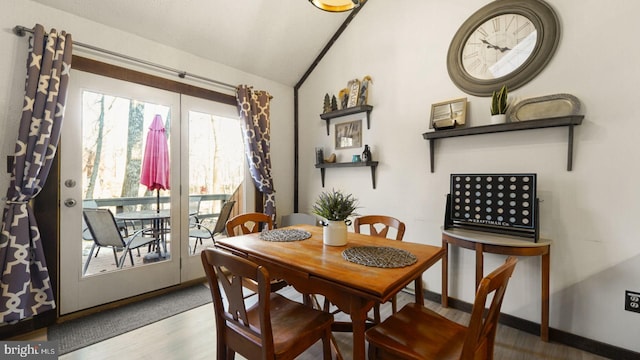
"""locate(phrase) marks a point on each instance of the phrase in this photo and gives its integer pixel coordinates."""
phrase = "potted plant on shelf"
(499, 106)
(335, 208)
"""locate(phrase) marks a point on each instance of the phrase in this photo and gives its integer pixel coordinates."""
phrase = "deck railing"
(150, 201)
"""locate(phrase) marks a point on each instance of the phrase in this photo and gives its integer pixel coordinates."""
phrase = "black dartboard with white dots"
(503, 200)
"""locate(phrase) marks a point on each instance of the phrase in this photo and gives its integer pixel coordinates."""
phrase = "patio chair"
(86, 234)
(273, 328)
(198, 231)
(105, 233)
(416, 332)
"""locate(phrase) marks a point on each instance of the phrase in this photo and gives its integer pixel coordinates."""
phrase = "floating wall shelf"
(371, 164)
(348, 111)
(569, 121)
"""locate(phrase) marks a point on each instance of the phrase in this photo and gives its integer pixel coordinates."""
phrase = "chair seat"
(442, 339)
(138, 241)
(199, 232)
(293, 325)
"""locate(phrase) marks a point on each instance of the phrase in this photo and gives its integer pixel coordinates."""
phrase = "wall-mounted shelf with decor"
(344, 112)
(371, 164)
(569, 121)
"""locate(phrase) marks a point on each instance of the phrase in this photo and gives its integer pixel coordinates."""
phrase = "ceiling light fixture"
(336, 5)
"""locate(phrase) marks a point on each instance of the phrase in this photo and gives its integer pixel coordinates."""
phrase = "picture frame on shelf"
(448, 114)
(354, 92)
(348, 135)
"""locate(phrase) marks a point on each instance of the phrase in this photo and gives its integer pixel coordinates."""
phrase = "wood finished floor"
(190, 335)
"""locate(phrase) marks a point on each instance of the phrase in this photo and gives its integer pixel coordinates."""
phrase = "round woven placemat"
(284, 235)
(379, 256)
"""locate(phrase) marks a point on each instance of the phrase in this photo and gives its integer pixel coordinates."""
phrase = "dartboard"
(503, 200)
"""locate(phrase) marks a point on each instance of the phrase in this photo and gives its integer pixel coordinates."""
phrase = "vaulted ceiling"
(275, 39)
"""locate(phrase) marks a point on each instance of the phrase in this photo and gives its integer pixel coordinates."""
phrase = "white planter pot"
(499, 119)
(335, 233)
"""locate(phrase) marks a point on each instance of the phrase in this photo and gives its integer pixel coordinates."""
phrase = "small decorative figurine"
(326, 106)
(364, 90)
(344, 98)
(334, 103)
(366, 154)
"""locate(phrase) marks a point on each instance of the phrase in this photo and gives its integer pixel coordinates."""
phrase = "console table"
(492, 243)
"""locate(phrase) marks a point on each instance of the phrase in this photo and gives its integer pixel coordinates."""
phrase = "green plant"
(499, 103)
(335, 206)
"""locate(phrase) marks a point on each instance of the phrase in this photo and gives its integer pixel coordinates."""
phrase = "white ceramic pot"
(335, 233)
(499, 119)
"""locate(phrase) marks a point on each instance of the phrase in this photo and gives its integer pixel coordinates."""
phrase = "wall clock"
(505, 42)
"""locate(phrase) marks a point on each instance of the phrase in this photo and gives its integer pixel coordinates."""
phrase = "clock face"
(506, 42)
(498, 46)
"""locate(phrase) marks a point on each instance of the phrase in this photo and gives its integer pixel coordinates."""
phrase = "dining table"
(352, 284)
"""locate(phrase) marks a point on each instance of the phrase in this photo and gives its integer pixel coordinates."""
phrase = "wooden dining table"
(314, 268)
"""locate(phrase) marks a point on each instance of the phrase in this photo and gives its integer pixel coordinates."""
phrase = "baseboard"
(555, 335)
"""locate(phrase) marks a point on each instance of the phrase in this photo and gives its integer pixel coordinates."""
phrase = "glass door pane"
(216, 168)
(123, 249)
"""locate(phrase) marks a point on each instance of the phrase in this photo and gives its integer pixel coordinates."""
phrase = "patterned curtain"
(25, 286)
(253, 107)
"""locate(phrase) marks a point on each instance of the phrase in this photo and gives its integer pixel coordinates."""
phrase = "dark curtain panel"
(25, 286)
(253, 107)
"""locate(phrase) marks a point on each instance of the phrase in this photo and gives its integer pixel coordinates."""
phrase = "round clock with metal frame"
(507, 42)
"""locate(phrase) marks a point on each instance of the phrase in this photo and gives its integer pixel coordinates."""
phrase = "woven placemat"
(379, 256)
(284, 235)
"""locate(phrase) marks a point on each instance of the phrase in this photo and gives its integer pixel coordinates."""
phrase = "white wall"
(590, 212)
(13, 64)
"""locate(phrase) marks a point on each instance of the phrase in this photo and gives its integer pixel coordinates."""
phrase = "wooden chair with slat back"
(416, 332)
(249, 223)
(379, 225)
(273, 328)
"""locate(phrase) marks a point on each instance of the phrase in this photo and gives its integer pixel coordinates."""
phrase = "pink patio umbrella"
(155, 164)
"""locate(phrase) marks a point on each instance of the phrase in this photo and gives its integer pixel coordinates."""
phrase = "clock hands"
(491, 46)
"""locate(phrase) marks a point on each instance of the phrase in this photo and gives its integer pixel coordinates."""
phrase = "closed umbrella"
(155, 164)
(155, 173)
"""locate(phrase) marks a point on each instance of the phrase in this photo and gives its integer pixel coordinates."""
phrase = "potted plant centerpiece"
(335, 208)
(499, 106)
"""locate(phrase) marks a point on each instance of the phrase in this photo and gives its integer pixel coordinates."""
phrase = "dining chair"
(273, 328)
(198, 231)
(249, 223)
(416, 332)
(298, 218)
(380, 226)
(105, 233)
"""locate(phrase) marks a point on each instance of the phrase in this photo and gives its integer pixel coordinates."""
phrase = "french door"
(104, 138)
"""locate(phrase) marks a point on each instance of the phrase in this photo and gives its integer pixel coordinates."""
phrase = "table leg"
(544, 324)
(479, 264)
(359, 311)
(419, 291)
(445, 274)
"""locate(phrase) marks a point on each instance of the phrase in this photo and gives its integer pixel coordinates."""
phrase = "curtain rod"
(22, 30)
